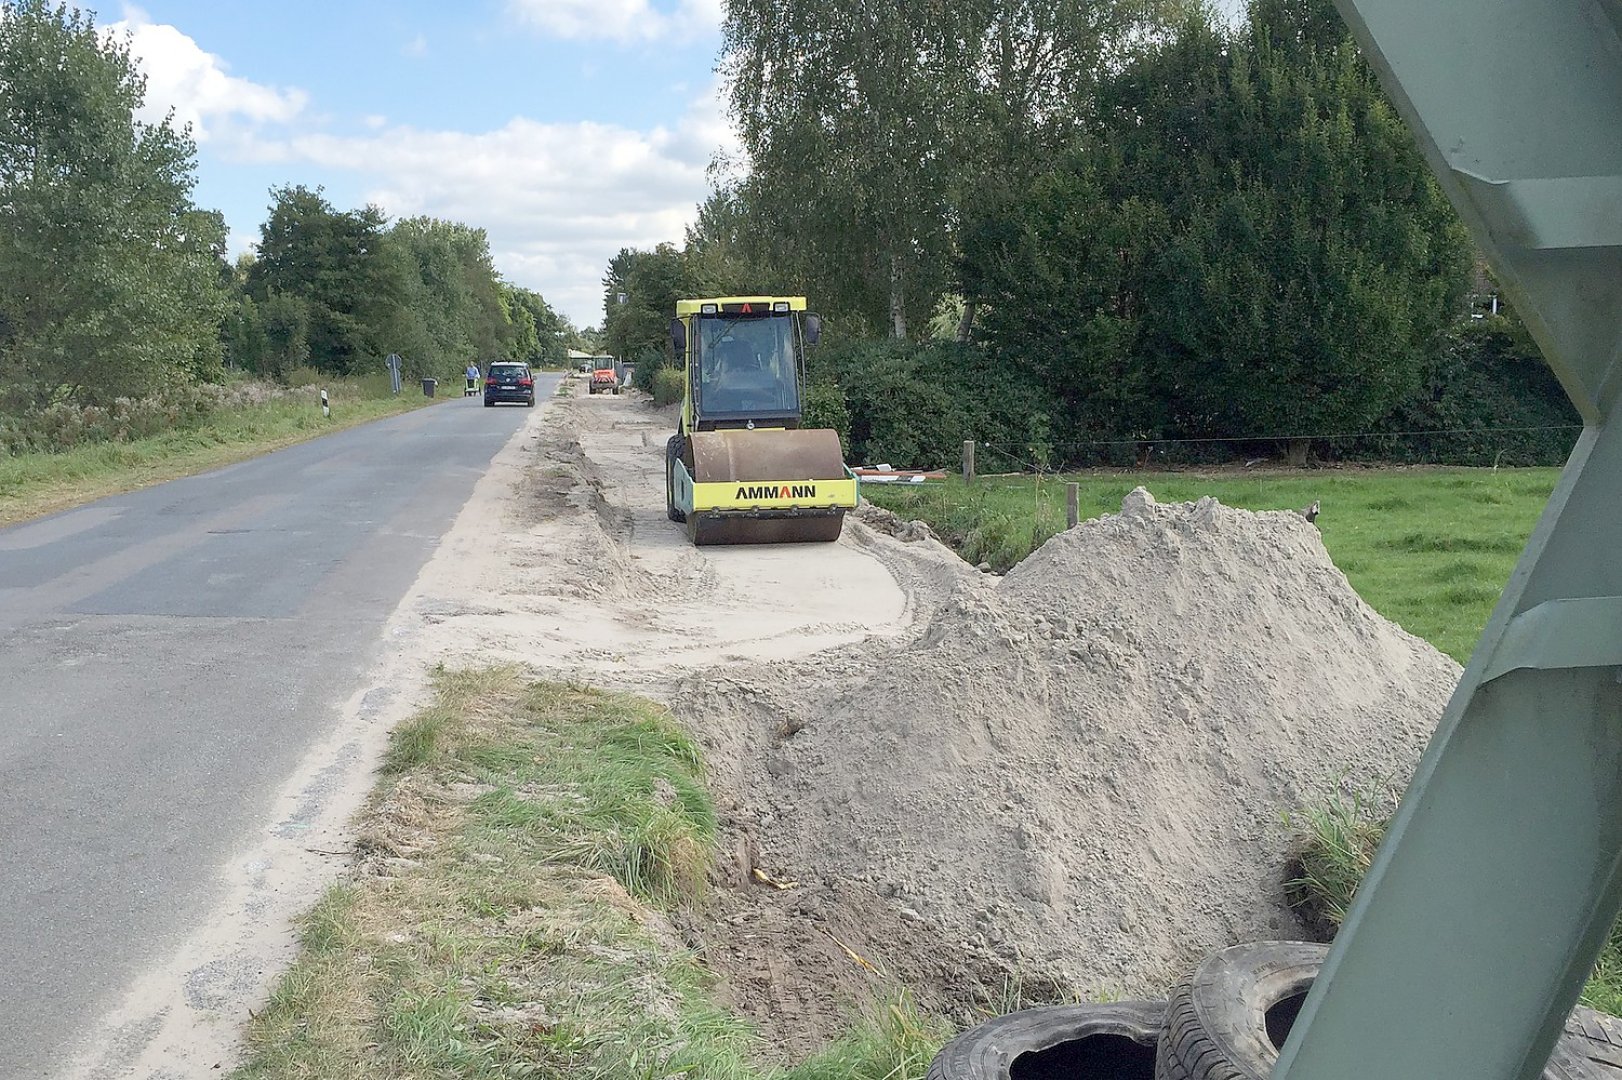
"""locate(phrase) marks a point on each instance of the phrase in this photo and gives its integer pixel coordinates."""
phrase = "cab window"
(747, 364)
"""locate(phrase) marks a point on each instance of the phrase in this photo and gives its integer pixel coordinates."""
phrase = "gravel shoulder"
(593, 582)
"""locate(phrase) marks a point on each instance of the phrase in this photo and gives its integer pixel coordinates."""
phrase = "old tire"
(1222, 1023)
(1229, 1021)
(673, 448)
(1106, 1042)
(1596, 1039)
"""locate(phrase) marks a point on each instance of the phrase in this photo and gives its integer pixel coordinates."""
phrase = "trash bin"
(428, 387)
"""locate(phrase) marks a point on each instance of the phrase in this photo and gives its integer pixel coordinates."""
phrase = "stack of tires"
(1227, 1022)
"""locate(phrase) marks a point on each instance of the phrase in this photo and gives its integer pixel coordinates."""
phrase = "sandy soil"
(1066, 781)
(595, 583)
(1074, 779)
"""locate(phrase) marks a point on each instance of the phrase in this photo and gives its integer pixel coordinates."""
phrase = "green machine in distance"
(1501, 875)
(741, 469)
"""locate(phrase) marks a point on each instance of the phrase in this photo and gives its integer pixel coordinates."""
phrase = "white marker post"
(326, 410)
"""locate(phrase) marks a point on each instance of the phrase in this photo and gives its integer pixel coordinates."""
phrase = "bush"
(184, 407)
(914, 405)
(825, 408)
(668, 385)
(1490, 375)
(648, 365)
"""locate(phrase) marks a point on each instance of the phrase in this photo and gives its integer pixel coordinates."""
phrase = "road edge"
(182, 466)
(184, 1015)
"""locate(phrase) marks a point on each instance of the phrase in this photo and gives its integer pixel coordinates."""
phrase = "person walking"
(472, 379)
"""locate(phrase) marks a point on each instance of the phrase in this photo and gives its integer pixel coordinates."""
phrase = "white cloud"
(237, 242)
(625, 21)
(417, 46)
(182, 76)
(557, 199)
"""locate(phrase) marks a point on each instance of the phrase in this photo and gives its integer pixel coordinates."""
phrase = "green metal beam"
(1501, 874)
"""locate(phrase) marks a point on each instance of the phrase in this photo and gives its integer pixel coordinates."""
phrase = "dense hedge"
(914, 405)
(648, 364)
(1490, 378)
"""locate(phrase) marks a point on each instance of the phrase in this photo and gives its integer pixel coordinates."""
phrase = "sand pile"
(1081, 768)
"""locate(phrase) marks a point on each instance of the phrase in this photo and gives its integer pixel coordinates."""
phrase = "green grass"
(897, 1042)
(33, 485)
(521, 845)
(1430, 549)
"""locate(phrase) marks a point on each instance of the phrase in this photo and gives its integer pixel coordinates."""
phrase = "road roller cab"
(740, 468)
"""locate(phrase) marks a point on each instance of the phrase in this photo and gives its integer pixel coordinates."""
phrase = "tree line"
(115, 284)
(337, 290)
(1080, 227)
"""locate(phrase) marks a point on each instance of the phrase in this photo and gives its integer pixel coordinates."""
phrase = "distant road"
(166, 658)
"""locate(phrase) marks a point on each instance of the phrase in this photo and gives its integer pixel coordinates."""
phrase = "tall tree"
(454, 289)
(722, 249)
(650, 283)
(337, 264)
(1247, 243)
(552, 334)
(110, 278)
(1318, 264)
(869, 128)
(839, 109)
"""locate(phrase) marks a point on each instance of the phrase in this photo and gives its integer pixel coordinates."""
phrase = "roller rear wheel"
(707, 530)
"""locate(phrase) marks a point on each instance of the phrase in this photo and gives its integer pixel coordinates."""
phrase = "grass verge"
(1335, 842)
(1430, 549)
(35, 484)
(508, 919)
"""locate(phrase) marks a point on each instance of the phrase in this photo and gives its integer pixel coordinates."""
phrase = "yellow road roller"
(740, 468)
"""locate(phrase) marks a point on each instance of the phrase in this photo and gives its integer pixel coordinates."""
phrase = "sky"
(566, 129)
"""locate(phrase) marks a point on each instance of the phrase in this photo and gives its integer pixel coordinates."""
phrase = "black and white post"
(326, 410)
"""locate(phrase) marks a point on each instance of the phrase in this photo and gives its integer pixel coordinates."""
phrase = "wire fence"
(1515, 446)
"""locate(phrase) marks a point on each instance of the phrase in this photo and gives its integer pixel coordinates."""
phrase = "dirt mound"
(1079, 770)
(893, 524)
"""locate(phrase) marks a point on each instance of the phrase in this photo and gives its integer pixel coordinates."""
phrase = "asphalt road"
(166, 657)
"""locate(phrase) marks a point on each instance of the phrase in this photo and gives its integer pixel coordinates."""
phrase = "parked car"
(509, 382)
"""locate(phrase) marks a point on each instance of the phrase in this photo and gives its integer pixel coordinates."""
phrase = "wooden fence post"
(968, 461)
(1072, 505)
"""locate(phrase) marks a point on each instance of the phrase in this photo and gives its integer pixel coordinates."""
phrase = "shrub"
(1490, 375)
(184, 407)
(825, 408)
(914, 405)
(648, 365)
(667, 385)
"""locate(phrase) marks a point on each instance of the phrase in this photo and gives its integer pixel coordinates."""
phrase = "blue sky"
(565, 128)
